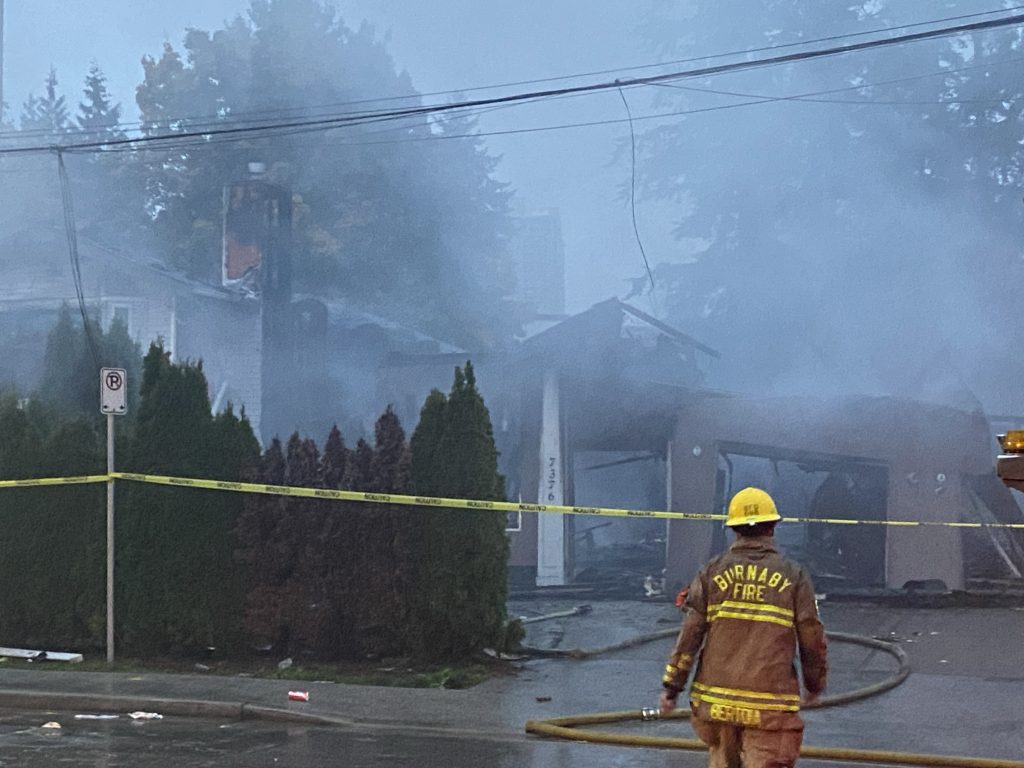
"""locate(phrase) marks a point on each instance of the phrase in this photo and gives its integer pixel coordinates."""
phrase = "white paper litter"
(145, 716)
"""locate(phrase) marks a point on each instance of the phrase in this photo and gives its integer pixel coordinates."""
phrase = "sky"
(447, 45)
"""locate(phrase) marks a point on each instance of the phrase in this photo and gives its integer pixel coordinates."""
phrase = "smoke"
(850, 273)
(852, 247)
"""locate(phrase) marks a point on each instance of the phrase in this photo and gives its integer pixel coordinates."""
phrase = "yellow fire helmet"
(750, 506)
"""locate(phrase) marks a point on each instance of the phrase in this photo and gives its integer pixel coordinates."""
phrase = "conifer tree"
(326, 577)
(359, 470)
(52, 538)
(388, 451)
(63, 344)
(177, 587)
(48, 113)
(384, 577)
(463, 554)
(338, 547)
(266, 566)
(70, 379)
(334, 459)
(98, 116)
(108, 186)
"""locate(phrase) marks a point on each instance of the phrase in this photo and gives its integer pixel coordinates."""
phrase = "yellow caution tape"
(331, 494)
(399, 499)
(39, 481)
(501, 506)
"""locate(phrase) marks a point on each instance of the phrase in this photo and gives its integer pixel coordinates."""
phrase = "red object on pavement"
(298, 695)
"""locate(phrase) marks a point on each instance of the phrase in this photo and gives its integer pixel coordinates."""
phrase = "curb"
(109, 703)
(47, 700)
(229, 710)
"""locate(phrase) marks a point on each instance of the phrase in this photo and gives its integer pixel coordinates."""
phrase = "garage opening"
(816, 486)
(623, 554)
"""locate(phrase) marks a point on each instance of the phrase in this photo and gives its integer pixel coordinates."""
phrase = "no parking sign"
(113, 391)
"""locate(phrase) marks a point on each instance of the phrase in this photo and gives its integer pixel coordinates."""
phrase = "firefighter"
(748, 612)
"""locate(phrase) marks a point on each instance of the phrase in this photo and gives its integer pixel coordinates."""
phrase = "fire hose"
(570, 727)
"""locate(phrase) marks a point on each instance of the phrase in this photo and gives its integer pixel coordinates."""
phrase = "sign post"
(113, 402)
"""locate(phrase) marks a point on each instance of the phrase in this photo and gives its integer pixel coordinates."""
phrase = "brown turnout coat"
(749, 611)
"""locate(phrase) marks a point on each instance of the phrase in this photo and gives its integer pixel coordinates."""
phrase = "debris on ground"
(298, 695)
(654, 587)
(53, 724)
(96, 717)
(504, 656)
(285, 663)
(579, 610)
(893, 638)
(145, 716)
(31, 655)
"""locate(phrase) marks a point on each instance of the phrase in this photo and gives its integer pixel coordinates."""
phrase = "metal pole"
(110, 537)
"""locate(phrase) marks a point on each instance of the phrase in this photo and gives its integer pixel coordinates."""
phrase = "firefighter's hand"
(667, 704)
(809, 699)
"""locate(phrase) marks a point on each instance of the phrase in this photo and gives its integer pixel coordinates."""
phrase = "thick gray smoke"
(832, 245)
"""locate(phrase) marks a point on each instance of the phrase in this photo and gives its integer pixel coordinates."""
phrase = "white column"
(550, 526)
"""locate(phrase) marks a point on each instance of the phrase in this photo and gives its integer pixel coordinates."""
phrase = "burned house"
(607, 408)
(582, 413)
(873, 466)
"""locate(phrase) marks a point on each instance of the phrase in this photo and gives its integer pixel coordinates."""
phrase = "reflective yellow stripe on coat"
(760, 700)
(734, 609)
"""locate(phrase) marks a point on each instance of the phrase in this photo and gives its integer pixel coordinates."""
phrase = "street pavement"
(965, 696)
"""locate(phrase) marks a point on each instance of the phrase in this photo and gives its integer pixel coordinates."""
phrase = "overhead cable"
(214, 119)
(632, 192)
(333, 122)
(71, 232)
(753, 100)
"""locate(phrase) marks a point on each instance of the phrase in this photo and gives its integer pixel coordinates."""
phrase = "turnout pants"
(734, 746)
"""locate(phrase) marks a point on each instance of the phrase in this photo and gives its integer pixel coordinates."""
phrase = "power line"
(632, 192)
(809, 96)
(332, 122)
(214, 120)
(755, 100)
(71, 232)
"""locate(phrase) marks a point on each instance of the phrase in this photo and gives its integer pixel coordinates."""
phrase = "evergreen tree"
(52, 538)
(266, 565)
(429, 212)
(385, 578)
(359, 470)
(335, 459)
(462, 556)
(177, 586)
(98, 116)
(282, 543)
(326, 577)
(70, 379)
(63, 350)
(47, 114)
(108, 186)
